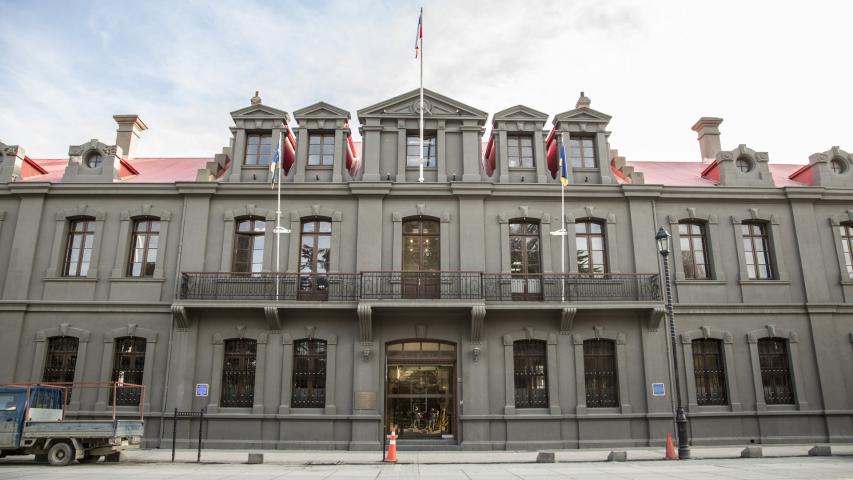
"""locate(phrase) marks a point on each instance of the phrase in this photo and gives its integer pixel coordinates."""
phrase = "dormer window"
(321, 149)
(94, 160)
(837, 165)
(520, 151)
(743, 164)
(412, 157)
(582, 152)
(259, 149)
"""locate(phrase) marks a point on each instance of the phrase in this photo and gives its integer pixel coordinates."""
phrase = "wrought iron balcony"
(446, 285)
(571, 287)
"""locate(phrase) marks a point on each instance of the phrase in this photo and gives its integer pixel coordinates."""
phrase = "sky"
(780, 73)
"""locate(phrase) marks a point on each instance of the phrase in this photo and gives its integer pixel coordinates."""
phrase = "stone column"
(372, 150)
(301, 154)
(471, 152)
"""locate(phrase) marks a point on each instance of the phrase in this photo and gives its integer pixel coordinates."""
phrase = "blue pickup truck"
(33, 422)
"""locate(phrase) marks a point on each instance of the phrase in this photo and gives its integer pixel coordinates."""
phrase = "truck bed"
(84, 429)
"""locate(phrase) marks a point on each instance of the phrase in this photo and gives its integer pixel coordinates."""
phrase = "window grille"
(709, 371)
(238, 373)
(309, 373)
(599, 362)
(531, 384)
(128, 367)
(775, 371)
(61, 361)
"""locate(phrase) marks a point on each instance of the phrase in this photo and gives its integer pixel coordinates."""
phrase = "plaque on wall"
(365, 400)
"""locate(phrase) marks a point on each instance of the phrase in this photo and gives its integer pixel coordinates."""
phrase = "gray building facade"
(437, 306)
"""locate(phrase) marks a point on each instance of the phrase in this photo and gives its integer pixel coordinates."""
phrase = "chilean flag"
(419, 37)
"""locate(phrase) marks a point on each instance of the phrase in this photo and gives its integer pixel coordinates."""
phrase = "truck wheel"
(60, 454)
(90, 459)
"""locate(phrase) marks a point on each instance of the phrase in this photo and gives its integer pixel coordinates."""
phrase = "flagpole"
(278, 216)
(421, 150)
(563, 240)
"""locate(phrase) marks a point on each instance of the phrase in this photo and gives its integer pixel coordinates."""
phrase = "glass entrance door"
(419, 392)
(421, 259)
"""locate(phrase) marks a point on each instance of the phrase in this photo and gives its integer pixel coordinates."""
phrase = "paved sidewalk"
(343, 457)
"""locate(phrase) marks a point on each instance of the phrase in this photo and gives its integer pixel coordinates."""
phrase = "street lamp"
(662, 238)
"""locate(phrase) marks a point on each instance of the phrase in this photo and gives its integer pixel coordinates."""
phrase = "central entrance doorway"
(420, 389)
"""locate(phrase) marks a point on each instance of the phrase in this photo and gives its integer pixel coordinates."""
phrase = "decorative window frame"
(420, 210)
(523, 213)
(40, 354)
(231, 217)
(108, 356)
(60, 236)
(712, 237)
(598, 333)
(218, 363)
(296, 236)
(725, 337)
(287, 371)
(771, 331)
(775, 238)
(610, 236)
(125, 248)
(835, 222)
(551, 365)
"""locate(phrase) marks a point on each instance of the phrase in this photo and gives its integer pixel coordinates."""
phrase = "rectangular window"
(314, 258)
(258, 149)
(61, 362)
(524, 260)
(775, 371)
(582, 152)
(531, 385)
(590, 245)
(238, 373)
(249, 245)
(412, 157)
(520, 151)
(693, 248)
(78, 253)
(309, 373)
(847, 246)
(143, 253)
(599, 367)
(128, 367)
(321, 149)
(709, 371)
(756, 249)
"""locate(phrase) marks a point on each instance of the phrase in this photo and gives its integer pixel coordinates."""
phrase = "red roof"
(168, 170)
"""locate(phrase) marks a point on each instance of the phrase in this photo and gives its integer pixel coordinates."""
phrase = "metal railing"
(444, 285)
(571, 287)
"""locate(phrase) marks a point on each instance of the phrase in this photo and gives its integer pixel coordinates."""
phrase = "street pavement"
(780, 462)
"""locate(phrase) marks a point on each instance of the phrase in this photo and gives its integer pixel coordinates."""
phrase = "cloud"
(656, 66)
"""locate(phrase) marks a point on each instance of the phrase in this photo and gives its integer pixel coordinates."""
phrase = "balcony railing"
(395, 285)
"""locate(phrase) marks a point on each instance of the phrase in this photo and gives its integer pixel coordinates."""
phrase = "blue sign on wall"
(201, 389)
(658, 390)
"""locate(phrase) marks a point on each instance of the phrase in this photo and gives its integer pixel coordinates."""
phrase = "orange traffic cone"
(670, 450)
(392, 447)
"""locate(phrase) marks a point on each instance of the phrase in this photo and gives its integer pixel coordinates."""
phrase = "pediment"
(259, 111)
(583, 114)
(436, 106)
(321, 110)
(520, 112)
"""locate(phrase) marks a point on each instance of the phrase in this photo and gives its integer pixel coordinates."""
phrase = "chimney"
(129, 128)
(708, 129)
(583, 101)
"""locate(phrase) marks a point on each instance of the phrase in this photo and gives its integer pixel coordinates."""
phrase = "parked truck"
(33, 421)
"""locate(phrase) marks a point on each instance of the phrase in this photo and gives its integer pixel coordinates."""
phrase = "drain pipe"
(172, 326)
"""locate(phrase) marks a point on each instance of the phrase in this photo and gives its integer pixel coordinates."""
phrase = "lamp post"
(662, 238)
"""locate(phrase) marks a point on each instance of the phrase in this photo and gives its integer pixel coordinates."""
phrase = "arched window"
(249, 245)
(693, 250)
(775, 371)
(599, 363)
(524, 257)
(314, 257)
(709, 371)
(309, 373)
(756, 248)
(238, 373)
(531, 381)
(61, 361)
(78, 250)
(143, 250)
(128, 367)
(591, 249)
(847, 244)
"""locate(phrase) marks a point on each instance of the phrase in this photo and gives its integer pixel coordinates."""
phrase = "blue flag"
(564, 174)
(276, 160)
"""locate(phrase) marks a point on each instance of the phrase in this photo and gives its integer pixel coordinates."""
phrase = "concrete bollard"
(545, 457)
(752, 451)
(617, 456)
(256, 458)
(820, 451)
